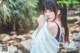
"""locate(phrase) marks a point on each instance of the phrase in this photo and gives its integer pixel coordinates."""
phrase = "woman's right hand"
(41, 20)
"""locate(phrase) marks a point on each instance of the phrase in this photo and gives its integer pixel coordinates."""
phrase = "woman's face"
(49, 15)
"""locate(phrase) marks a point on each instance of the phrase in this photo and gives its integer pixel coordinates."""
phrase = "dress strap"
(58, 33)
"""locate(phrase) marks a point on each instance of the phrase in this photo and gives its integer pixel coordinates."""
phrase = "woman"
(46, 37)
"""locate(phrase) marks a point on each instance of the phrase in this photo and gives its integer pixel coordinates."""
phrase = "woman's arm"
(41, 20)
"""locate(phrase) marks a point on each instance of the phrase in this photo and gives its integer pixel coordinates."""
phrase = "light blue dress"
(44, 42)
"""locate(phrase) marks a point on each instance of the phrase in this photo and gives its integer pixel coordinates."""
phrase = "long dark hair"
(53, 6)
(63, 17)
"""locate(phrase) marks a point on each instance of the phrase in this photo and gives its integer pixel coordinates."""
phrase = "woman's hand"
(41, 20)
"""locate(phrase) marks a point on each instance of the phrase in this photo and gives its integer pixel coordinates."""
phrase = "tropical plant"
(17, 13)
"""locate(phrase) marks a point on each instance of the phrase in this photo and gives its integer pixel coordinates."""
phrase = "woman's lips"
(48, 18)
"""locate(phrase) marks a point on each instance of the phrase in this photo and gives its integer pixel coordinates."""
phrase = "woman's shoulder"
(52, 28)
(51, 25)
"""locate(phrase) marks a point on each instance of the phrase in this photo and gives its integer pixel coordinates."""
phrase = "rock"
(76, 36)
(26, 44)
(6, 38)
(72, 19)
(3, 36)
(70, 46)
(12, 49)
(18, 51)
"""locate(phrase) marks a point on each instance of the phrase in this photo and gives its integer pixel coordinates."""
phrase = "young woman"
(46, 37)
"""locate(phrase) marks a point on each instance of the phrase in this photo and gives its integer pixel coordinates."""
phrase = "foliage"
(18, 12)
(68, 2)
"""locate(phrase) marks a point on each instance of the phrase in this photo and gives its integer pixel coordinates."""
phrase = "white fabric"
(44, 42)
